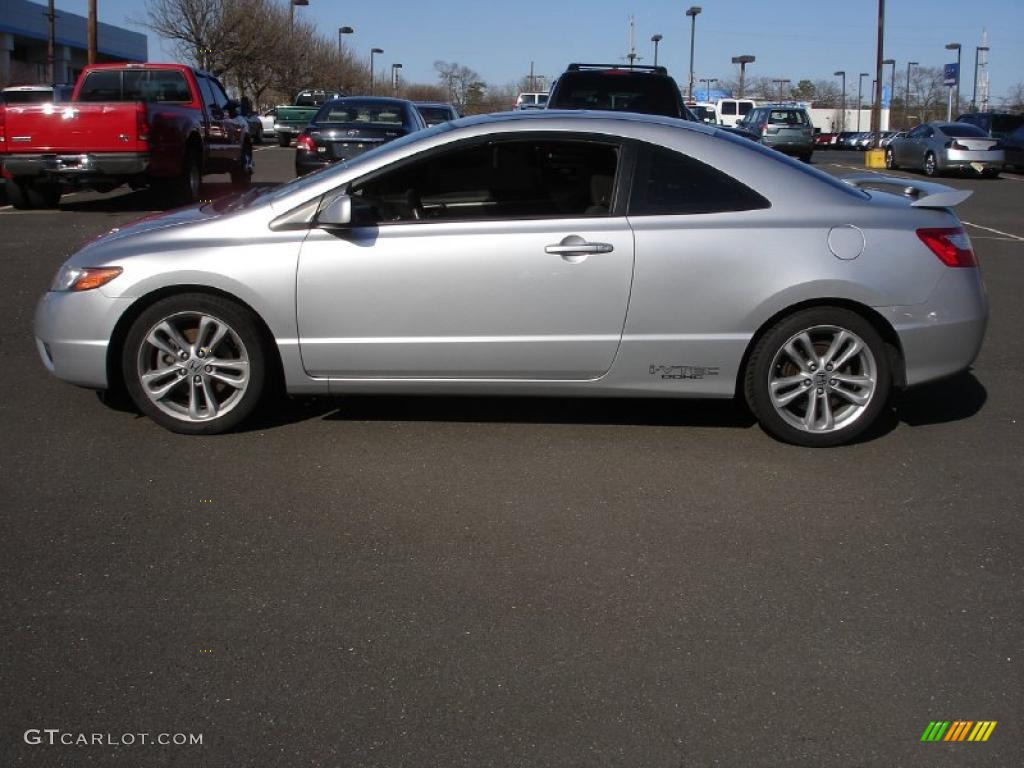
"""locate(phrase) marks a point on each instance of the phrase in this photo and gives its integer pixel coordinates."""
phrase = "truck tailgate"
(72, 128)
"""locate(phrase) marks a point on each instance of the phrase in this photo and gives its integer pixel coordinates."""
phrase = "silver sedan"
(940, 147)
(545, 253)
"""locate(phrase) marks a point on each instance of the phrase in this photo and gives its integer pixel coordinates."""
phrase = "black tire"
(990, 173)
(931, 167)
(241, 345)
(890, 160)
(769, 364)
(44, 195)
(184, 189)
(18, 194)
(241, 172)
(283, 139)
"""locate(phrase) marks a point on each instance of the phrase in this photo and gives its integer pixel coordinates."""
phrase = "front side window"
(668, 183)
(516, 179)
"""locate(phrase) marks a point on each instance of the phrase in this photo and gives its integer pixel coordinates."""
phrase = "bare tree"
(464, 85)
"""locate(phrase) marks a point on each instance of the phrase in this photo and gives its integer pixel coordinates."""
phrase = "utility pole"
(91, 33)
(51, 17)
(876, 102)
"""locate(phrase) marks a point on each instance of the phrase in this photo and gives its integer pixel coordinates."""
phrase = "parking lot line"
(995, 231)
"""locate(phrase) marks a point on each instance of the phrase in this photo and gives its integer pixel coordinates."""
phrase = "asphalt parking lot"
(385, 581)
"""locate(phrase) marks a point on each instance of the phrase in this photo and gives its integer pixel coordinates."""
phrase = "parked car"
(647, 90)
(268, 122)
(252, 119)
(939, 147)
(845, 138)
(36, 94)
(292, 119)
(786, 129)
(1013, 148)
(888, 136)
(435, 112)
(703, 112)
(824, 140)
(345, 128)
(732, 111)
(519, 254)
(994, 124)
(535, 100)
(162, 125)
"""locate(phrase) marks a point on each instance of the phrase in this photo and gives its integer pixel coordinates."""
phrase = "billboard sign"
(951, 74)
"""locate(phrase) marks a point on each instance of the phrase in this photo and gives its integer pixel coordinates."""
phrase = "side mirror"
(336, 214)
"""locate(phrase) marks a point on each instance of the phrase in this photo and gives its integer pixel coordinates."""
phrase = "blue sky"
(792, 39)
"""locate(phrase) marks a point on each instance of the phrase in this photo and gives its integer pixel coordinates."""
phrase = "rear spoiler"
(925, 194)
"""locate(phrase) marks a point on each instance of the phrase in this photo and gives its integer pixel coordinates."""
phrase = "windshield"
(359, 112)
(963, 129)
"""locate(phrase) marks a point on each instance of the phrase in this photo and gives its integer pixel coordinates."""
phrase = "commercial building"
(24, 32)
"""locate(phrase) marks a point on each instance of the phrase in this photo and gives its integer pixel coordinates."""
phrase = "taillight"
(951, 245)
(141, 124)
(305, 143)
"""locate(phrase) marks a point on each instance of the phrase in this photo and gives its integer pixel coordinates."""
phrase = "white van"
(531, 101)
(731, 111)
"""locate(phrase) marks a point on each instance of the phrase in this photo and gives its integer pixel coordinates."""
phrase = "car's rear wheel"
(931, 168)
(818, 378)
(17, 193)
(890, 160)
(195, 363)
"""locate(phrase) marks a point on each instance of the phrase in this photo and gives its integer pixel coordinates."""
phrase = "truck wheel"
(184, 189)
(241, 174)
(283, 139)
(44, 195)
(17, 194)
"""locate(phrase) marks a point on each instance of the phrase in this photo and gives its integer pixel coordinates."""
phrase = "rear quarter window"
(669, 183)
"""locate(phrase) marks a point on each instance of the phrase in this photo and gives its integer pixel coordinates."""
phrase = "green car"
(292, 120)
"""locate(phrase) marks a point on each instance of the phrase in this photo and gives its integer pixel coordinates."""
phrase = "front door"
(498, 259)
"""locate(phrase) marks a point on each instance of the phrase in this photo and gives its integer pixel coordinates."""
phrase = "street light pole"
(742, 61)
(291, 11)
(860, 99)
(949, 108)
(656, 39)
(906, 101)
(373, 51)
(842, 120)
(692, 12)
(707, 88)
(876, 99)
(343, 31)
(974, 91)
(780, 83)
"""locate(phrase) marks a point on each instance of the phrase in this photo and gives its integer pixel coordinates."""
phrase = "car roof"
(582, 116)
(433, 104)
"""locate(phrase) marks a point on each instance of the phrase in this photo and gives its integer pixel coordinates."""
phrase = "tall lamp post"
(974, 91)
(876, 97)
(343, 31)
(692, 12)
(707, 89)
(892, 93)
(291, 11)
(394, 77)
(949, 109)
(742, 61)
(842, 120)
(656, 39)
(373, 52)
(906, 100)
(860, 91)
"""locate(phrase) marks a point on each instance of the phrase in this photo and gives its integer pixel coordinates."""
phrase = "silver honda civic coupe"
(541, 253)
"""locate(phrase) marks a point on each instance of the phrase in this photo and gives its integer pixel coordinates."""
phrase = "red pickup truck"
(159, 125)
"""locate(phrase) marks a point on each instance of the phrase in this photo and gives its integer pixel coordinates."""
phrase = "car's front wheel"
(819, 377)
(195, 363)
(890, 159)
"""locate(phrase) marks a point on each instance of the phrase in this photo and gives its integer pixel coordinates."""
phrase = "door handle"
(576, 249)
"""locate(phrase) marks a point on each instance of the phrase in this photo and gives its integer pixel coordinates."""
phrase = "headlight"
(83, 278)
